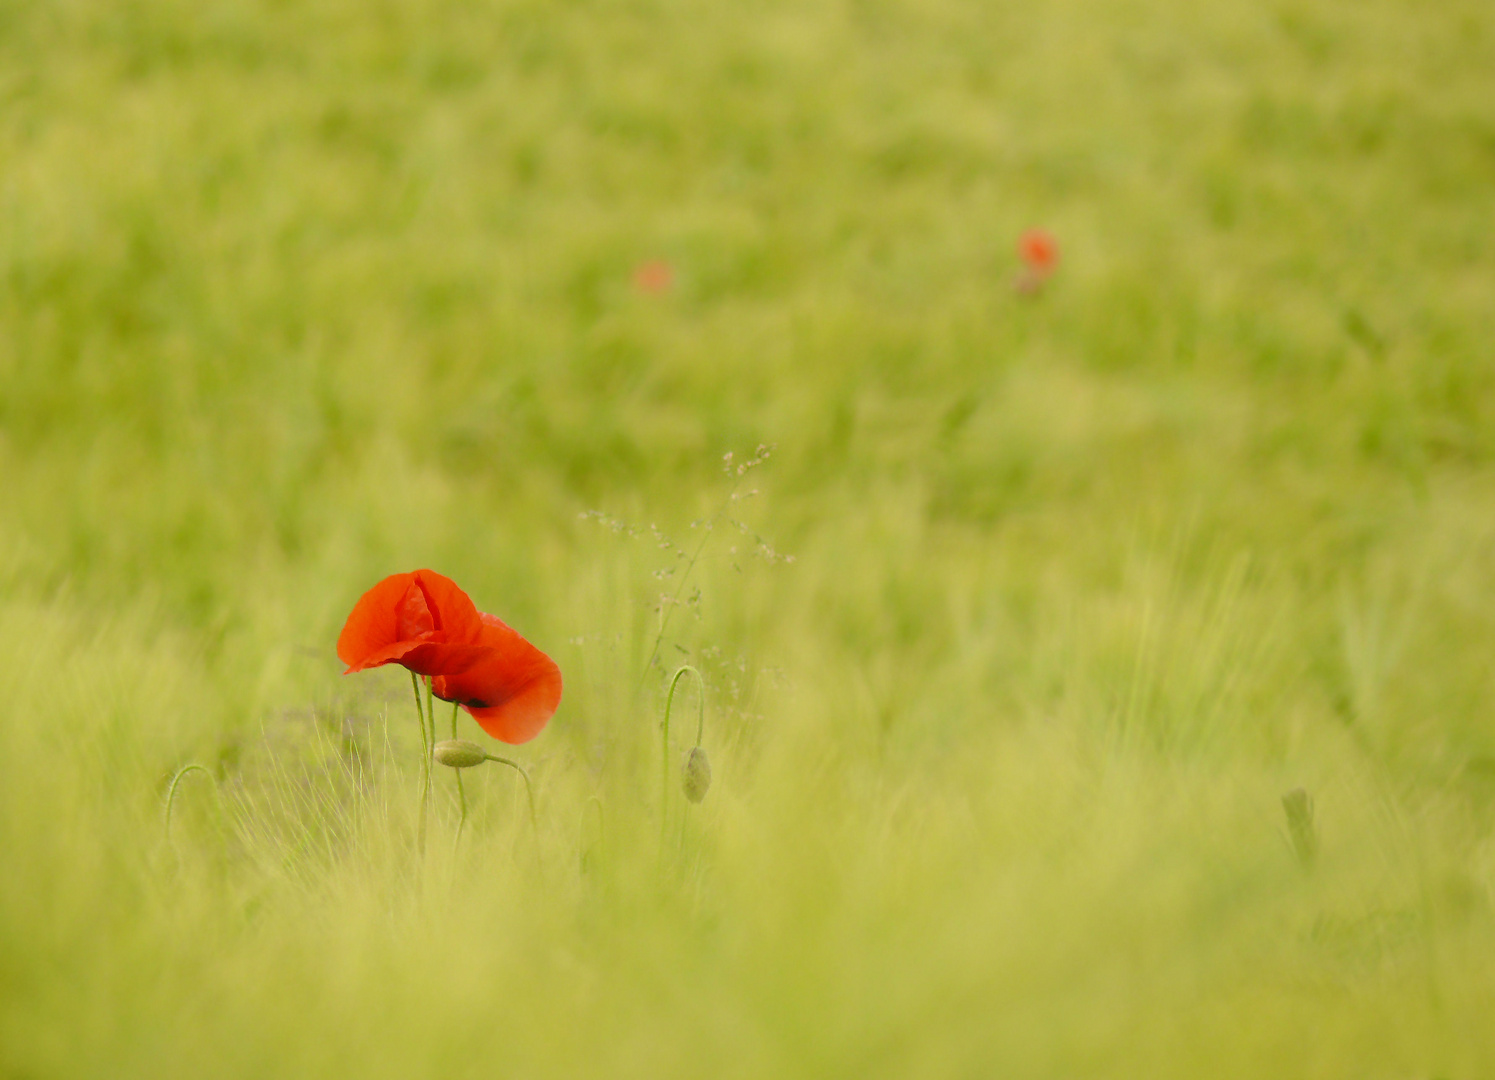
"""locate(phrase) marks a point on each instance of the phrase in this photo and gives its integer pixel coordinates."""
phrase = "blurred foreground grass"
(296, 295)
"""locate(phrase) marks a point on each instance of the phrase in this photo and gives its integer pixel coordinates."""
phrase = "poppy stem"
(529, 790)
(669, 702)
(431, 716)
(461, 794)
(431, 719)
(425, 744)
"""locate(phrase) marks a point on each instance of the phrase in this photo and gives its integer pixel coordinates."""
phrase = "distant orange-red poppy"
(1039, 251)
(654, 276)
(512, 691)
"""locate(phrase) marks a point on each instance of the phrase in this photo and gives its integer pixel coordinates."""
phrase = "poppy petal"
(372, 626)
(512, 691)
(440, 658)
(452, 610)
(390, 654)
(521, 718)
(422, 620)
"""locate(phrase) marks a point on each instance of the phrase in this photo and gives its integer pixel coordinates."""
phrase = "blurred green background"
(297, 295)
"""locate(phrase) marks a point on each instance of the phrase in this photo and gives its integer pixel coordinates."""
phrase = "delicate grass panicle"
(298, 298)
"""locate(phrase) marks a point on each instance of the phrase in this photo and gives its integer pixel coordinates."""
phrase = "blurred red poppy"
(654, 276)
(1039, 250)
(420, 620)
(511, 691)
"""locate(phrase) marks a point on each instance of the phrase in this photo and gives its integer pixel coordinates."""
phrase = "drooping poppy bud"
(459, 754)
(420, 620)
(695, 774)
(513, 688)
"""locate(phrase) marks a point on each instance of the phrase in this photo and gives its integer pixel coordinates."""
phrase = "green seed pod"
(695, 774)
(460, 754)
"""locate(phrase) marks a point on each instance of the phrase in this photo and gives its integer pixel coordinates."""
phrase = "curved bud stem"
(529, 790)
(669, 702)
(171, 790)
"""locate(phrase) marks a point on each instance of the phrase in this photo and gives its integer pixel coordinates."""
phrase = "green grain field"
(1012, 645)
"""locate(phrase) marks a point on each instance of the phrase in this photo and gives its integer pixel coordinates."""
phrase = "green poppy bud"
(460, 754)
(695, 774)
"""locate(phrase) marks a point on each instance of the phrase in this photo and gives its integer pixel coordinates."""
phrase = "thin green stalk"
(420, 712)
(461, 794)
(426, 745)
(431, 716)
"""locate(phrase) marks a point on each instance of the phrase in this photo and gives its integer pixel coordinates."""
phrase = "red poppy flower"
(511, 691)
(654, 276)
(1039, 250)
(421, 620)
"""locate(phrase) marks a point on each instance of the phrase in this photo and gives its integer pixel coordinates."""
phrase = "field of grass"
(1011, 647)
